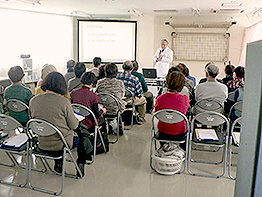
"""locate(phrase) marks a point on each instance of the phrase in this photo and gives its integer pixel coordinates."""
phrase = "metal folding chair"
(10, 126)
(16, 105)
(237, 106)
(169, 116)
(130, 99)
(108, 100)
(85, 111)
(236, 124)
(43, 128)
(207, 105)
(213, 119)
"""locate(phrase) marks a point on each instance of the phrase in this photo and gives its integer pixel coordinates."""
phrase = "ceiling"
(96, 8)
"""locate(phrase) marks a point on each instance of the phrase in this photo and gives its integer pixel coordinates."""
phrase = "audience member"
(135, 86)
(70, 71)
(147, 94)
(173, 100)
(185, 71)
(184, 90)
(18, 91)
(97, 63)
(86, 97)
(58, 111)
(203, 80)
(113, 86)
(211, 89)
(101, 74)
(238, 96)
(46, 69)
(238, 80)
(229, 70)
(79, 69)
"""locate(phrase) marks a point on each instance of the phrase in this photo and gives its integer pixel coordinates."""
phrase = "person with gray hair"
(211, 89)
(70, 70)
(163, 57)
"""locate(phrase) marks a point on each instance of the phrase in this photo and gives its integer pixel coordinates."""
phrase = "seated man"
(75, 82)
(70, 72)
(148, 95)
(211, 89)
(97, 63)
(135, 86)
(18, 91)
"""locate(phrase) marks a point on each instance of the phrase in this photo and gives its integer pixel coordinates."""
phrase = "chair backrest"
(210, 118)
(208, 105)
(16, 105)
(109, 99)
(237, 122)
(85, 111)
(129, 93)
(231, 96)
(8, 123)
(170, 116)
(44, 129)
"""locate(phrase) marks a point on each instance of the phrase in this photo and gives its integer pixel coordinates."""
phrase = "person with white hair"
(163, 58)
(211, 89)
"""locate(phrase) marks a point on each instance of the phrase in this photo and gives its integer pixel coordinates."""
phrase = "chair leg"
(6, 164)
(230, 159)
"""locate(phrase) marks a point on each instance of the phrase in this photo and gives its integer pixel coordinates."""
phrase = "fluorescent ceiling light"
(135, 12)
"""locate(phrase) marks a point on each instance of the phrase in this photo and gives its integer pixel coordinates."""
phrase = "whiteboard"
(201, 46)
(112, 40)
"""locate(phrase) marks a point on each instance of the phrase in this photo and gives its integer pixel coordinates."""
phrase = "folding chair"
(213, 119)
(9, 126)
(235, 125)
(85, 111)
(43, 128)
(231, 96)
(236, 107)
(16, 105)
(108, 100)
(207, 105)
(130, 96)
(169, 116)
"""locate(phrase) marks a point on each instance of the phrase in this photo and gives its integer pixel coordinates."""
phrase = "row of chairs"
(210, 119)
(30, 150)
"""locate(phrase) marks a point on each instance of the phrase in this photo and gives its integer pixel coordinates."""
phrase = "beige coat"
(58, 111)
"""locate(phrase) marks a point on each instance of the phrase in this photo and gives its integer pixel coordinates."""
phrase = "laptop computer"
(149, 73)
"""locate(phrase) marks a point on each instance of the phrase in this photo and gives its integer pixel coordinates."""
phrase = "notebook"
(149, 73)
(79, 116)
(16, 141)
(236, 137)
(206, 135)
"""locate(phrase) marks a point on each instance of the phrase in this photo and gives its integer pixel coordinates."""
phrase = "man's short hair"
(79, 69)
(111, 70)
(127, 65)
(70, 64)
(55, 82)
(16, 74)
(88, 78)
(97, 61)
(135, 65)
(164, 40)
(212, 70)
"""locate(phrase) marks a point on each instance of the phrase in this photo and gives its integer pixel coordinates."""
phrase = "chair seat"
(57, 154)
(220, 136)
(159, 139)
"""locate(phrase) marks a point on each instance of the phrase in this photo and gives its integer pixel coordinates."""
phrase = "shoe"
(82, 169)
(58, 167)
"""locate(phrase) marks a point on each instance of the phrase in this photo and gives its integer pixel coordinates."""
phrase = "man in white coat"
(163, 57)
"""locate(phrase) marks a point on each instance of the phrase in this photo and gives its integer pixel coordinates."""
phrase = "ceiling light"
(135, 12)
(81, 14)
(231, 4)
(257, 11)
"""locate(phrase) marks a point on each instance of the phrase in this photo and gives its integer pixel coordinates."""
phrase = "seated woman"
(238, 80)
(47, 68)
(18, 91)
(58, 111)
(173, 100)
(229, 70)
(86, 97)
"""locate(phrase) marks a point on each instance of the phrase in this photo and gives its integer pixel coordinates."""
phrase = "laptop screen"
(149, 73)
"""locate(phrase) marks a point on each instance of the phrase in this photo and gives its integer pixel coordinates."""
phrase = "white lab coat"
(162, 66)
